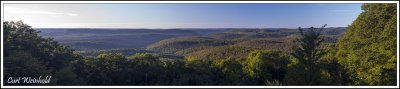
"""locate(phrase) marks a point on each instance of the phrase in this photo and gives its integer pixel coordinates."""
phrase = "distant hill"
(124, 51)
(179, 43)
(97, 39)
(221, 52)
(237, 43)
(170, 46)
(268, 33)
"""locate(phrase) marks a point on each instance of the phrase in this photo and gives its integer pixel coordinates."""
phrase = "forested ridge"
(362, 54)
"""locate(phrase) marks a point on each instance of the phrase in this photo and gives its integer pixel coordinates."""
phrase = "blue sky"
(251, 15)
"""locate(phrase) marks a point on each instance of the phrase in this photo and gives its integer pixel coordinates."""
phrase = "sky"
(183, 15)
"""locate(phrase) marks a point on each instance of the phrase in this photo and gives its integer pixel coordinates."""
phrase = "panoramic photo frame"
(229, 38)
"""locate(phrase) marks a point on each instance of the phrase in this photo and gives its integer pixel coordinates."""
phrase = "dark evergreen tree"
(308, 53)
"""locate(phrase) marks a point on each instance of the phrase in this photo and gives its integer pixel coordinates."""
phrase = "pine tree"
(308, 53)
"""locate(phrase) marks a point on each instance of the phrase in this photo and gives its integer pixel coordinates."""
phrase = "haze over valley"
(172, 41)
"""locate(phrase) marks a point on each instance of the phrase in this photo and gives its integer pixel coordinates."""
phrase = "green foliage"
(268, 43)
(296, 73)
(143, 56)
(174, 72)
(124, 51)
(222, 52)
(116, 69)
(66, 76)
(263, 66)
(230, 71)
(170, 46)
(330, 69)
(200, 72)
(20, 63)
(368, 50)
(27, 54)
(191, 50)
(307, 56)
(332, 73)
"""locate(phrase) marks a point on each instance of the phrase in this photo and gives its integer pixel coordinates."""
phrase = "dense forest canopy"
(368, 50)
(362, 54)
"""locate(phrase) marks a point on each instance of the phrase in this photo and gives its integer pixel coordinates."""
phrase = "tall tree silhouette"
(308, 53)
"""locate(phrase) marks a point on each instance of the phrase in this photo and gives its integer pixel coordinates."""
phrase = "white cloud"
(29, 11)
(72, 14)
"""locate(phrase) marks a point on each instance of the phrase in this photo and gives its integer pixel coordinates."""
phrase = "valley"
(180, 43)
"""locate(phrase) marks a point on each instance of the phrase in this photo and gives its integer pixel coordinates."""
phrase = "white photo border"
(177, 2)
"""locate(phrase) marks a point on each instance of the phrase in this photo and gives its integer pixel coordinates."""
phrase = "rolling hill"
(179, 43)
